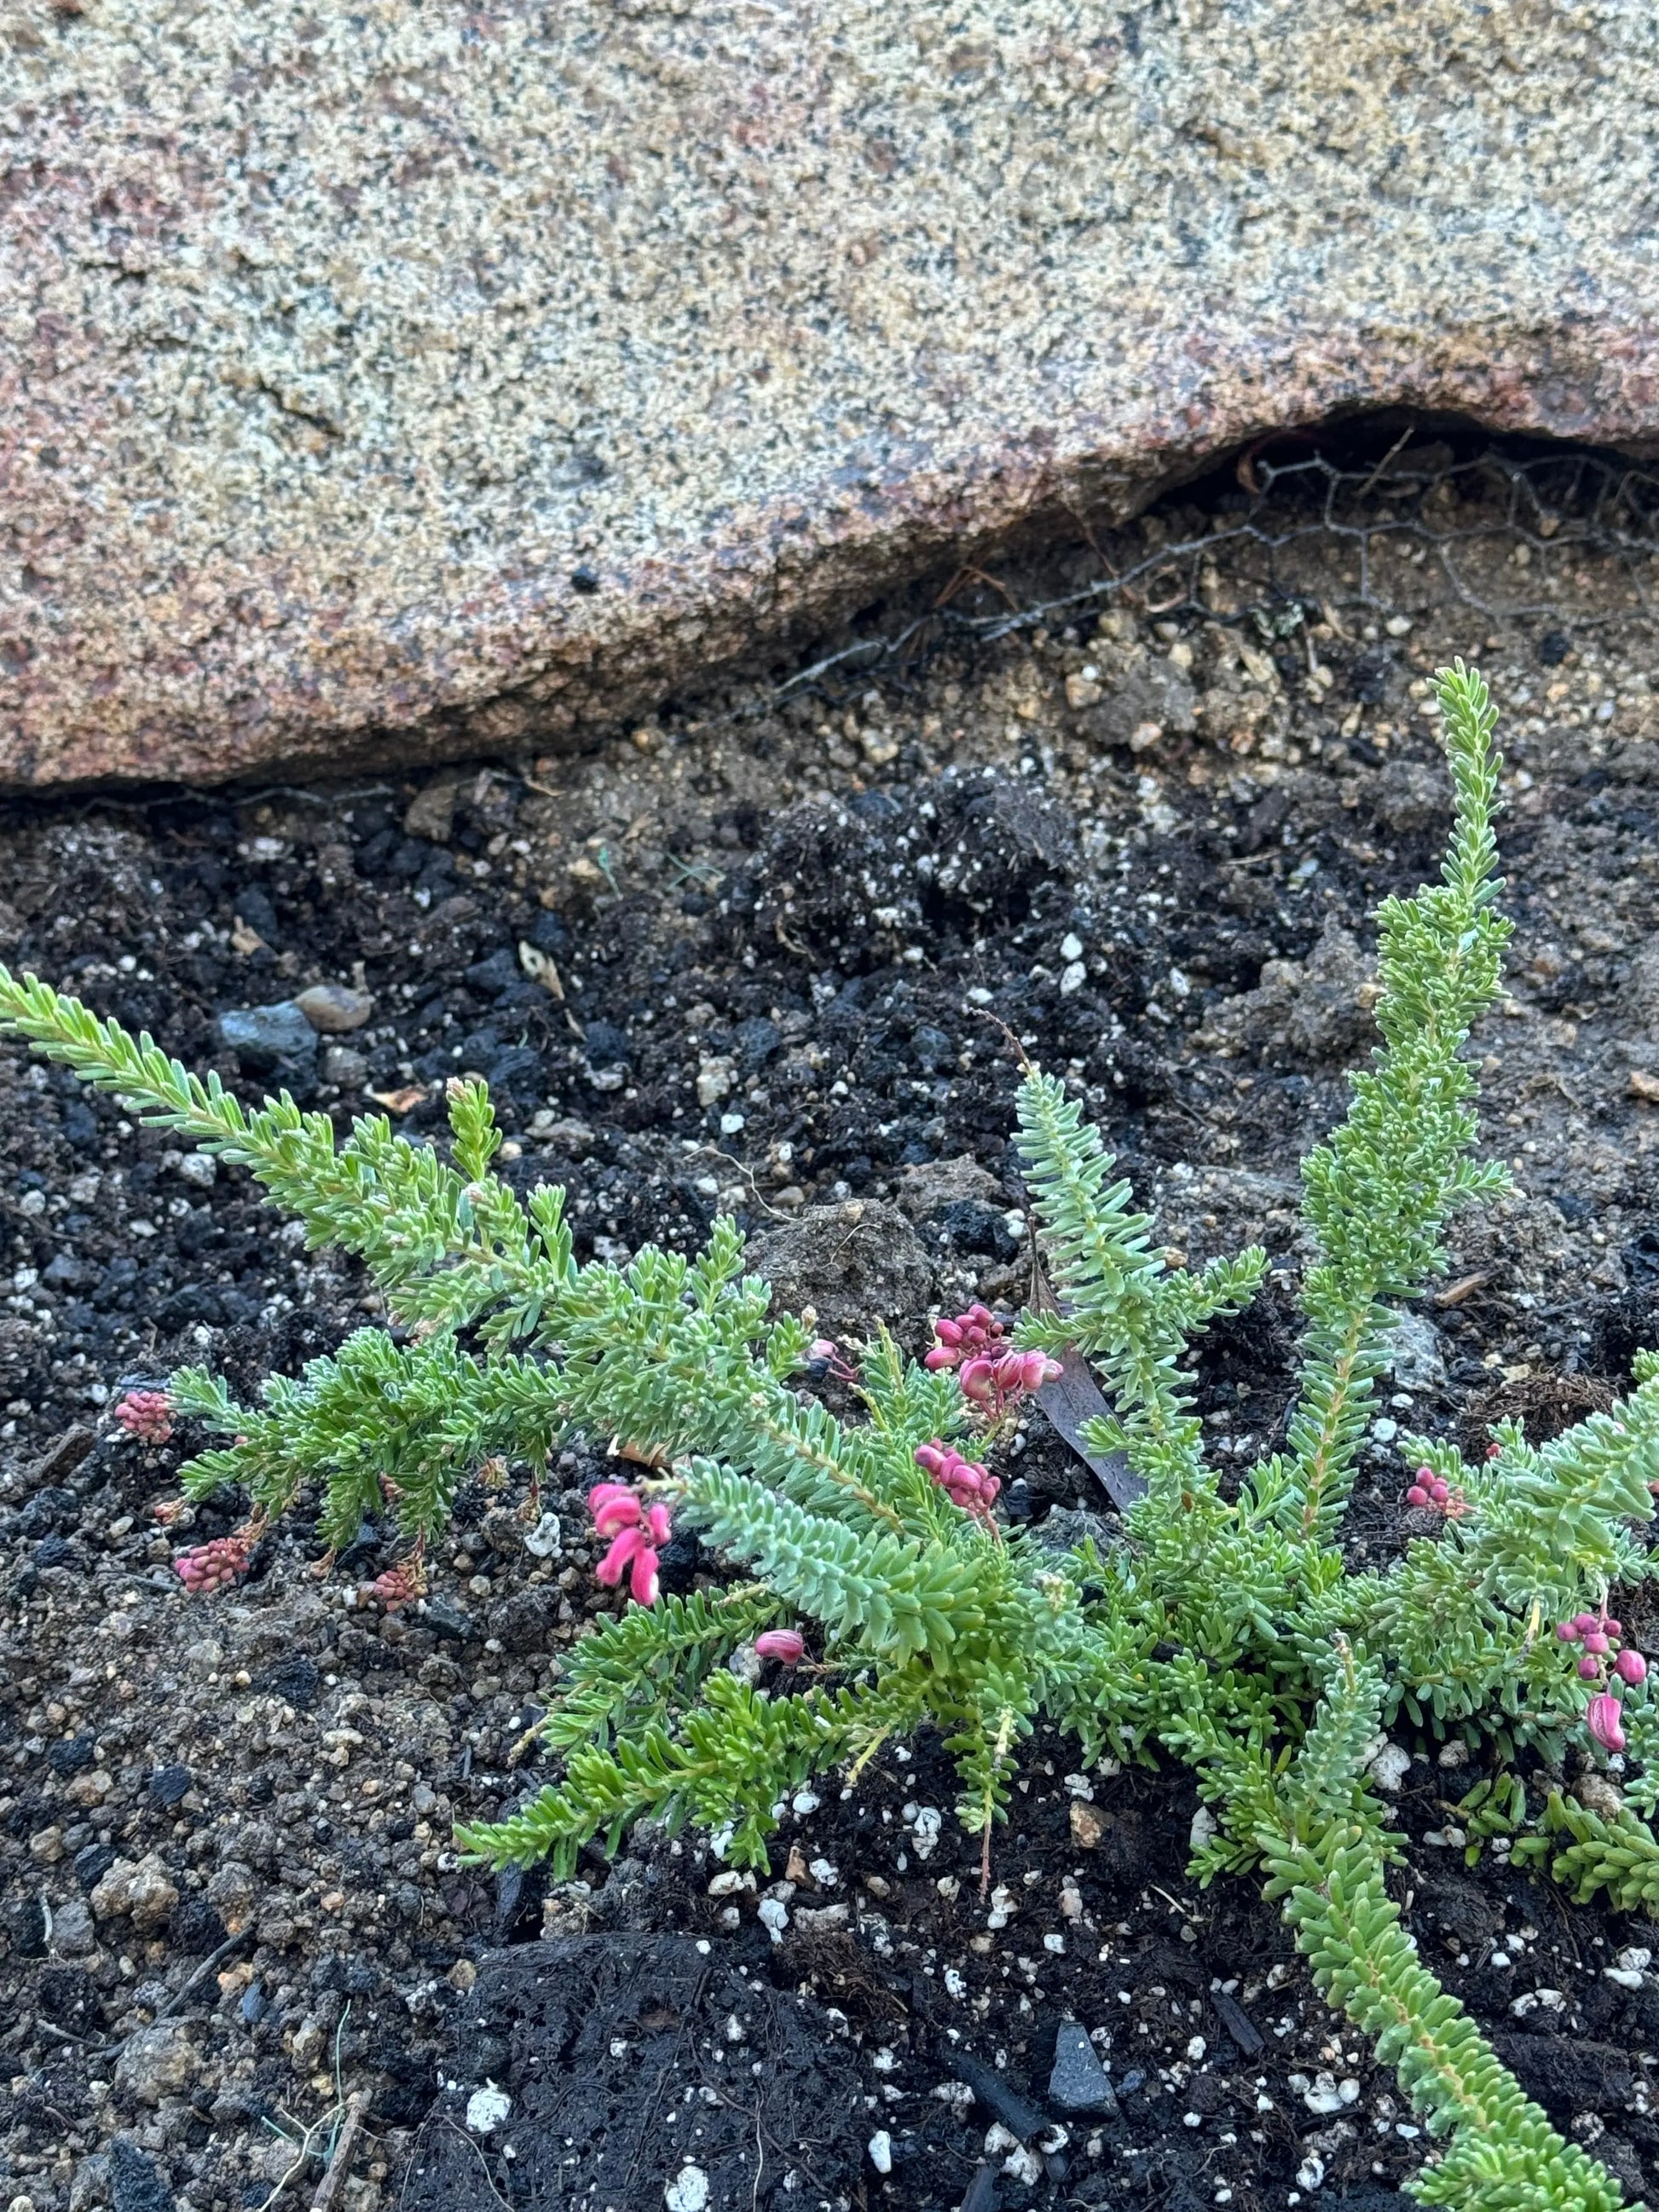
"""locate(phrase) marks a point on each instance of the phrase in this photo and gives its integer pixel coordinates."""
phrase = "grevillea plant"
(871, 1568)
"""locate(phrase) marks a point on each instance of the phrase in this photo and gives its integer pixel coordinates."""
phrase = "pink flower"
(638, 1532)
(963, 1481)
(993, 1376)
(1589, 1670)
(146, 1414)
(979, 1379)
(1603, 1719)
(1630, 1666)
(785, 1645)
(215, 1566)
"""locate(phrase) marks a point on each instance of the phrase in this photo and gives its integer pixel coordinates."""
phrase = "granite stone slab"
(395, 381)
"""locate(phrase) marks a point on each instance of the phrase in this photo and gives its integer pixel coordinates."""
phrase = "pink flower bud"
(1630, 1666)
(1417, 1495)
(1612, 1627)
(948, 1332)
(1597, 1643)
(1585, 1622)
(785, 1645)
(1566, 1630)
(642, 1582)
(1589, 1670)
(1602, 1718)
(979, 1380)
(930, 1458)
(1439, 1490)
(614, 1507)
(940, 1357)
(146, 1414)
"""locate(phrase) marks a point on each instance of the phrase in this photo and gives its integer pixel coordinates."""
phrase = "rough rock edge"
(588, 665)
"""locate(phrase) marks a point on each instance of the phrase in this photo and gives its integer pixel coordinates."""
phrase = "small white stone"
(1196, 2049)
(688, 2192)
(1325, 2095)
(774, 1916)
(880, 2147)
(1055, 1943)
(999, 2139)
(954, 1987)
(804, 1802)
(1203, 1830)
(1390, 1767)
(1071, 946)
(1311, 2172)
(545, 1540)
(1022, 2165)
(926, 1833)
(487, 2109)
(729, 1883)
(824, 1873)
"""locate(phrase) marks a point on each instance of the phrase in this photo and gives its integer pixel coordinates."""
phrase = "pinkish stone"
(397, 384)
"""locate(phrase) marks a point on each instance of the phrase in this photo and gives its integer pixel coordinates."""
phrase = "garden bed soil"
(773, 942)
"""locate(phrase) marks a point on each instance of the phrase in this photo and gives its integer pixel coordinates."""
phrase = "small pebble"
(334, 1008)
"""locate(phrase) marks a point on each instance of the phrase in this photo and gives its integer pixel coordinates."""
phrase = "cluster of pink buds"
(786, 1645)
(637, 1534)
(399, 1585)
(963, 1481)
(993, 1375)
(215, 1566)
(1598, 1637)
(1433, 1490)
(146, 1414)
(968, 1335)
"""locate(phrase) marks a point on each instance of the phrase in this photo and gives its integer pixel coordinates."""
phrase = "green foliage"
(1224, 1631)
(1502, 2154)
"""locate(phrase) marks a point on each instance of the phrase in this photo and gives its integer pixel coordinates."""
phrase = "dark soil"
(785, 935)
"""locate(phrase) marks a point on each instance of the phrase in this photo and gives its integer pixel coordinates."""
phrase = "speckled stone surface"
(400, 379)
